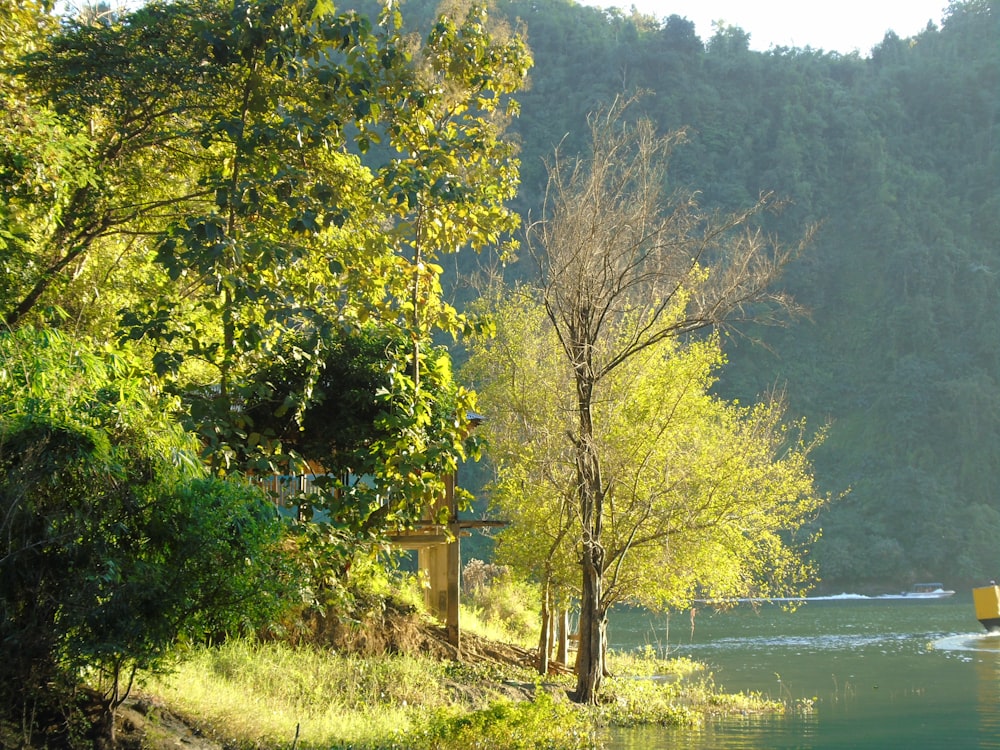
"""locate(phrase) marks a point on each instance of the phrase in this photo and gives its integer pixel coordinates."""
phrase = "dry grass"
(253, 695)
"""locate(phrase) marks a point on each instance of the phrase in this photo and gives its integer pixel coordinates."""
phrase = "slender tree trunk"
(73, 240)
(590, 657)
(545, 639)
(589, 667)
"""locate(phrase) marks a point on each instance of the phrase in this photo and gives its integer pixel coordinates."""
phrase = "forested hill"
(898, 155)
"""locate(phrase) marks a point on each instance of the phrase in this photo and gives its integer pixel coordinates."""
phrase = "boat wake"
(989, 642)
(910, 596)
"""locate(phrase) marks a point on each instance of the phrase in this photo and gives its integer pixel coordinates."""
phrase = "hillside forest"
(896, 154)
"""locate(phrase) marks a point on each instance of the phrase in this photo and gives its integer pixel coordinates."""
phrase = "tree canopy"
(235, 183)
(706, 493)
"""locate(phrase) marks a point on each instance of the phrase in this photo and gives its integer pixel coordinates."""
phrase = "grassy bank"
(275, 696)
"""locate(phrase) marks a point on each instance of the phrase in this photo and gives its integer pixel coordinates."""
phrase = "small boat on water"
(927, 591)
(987, 603)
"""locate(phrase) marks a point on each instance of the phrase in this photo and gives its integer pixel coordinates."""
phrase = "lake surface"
(882, 673)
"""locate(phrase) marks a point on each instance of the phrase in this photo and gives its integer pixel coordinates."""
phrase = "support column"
(454, 564)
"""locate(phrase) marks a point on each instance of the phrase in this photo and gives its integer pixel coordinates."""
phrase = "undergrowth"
(253, 695)
(543, 722)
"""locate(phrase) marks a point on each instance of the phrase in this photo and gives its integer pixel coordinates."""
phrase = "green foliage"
(215, 184)
(542, 723)
(116, 546)
(252, 693)
(706, 493)
(344, 407)
(501, 606)
(310, 679)
(341, 578)
(650, 663)
(517, 375)
(647, 702)
(323, 397)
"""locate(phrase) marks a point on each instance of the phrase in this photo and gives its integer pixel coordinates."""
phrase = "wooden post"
(562, 648)
(454, 564)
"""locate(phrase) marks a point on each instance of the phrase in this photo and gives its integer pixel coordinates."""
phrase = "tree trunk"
(545, 639)
(604, 644)
(590, 657)
(589, 662)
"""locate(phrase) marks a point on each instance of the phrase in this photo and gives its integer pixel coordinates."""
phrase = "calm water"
(884, 674)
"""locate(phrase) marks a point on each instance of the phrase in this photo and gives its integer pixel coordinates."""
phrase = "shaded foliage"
(115, 545)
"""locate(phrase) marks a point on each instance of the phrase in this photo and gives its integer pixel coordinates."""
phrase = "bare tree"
(623, 266)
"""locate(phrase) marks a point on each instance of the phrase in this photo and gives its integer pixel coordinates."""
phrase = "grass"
(543, 722)
(505, 611)
(273, 696)
(651, 690)
(261, 695)
(648, 663)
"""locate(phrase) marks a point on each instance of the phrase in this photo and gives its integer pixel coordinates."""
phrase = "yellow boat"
(987, 602)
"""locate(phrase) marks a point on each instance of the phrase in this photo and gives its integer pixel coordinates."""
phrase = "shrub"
(500, 606)
(541, 723)
(114, 543)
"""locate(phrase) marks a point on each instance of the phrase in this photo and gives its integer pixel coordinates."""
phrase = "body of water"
(880, 673)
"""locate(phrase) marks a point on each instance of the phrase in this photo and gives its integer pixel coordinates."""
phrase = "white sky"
(841, 26)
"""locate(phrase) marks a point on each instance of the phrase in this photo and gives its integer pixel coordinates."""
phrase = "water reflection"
(983, 651)
(988, 680)
(747, 733)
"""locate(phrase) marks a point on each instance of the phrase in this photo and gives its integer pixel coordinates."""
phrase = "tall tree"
(624, 267)
(704, 497)
(294, 172)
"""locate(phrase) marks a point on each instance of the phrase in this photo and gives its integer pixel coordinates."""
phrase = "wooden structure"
(439, 557)
(437, 544)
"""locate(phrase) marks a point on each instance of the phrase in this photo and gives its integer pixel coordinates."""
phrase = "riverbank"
(243, 695)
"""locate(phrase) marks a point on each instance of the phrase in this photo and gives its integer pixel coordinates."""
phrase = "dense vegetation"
(896, 153)
(193, 226)
(209, 207)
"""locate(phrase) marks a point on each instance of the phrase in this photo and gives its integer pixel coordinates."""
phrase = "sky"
(841, 26)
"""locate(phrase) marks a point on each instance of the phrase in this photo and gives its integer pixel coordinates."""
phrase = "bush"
(114, 543)
(541, 723)
(501, 607)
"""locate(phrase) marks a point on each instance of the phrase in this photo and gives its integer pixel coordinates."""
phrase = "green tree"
(704, 497)
(623, 268)
(115, 544)
(515, 368)
(345, 421)
(234, 144)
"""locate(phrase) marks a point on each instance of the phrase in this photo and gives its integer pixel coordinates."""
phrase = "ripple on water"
(839, 642)
(986, 642)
